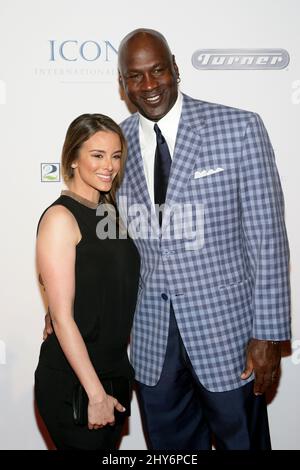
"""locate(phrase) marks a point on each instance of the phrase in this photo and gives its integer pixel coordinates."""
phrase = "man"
(210, 316)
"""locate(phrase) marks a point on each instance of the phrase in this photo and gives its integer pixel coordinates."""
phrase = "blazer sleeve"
(264, 234)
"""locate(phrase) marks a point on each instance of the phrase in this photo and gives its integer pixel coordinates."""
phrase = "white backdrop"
(57, 61)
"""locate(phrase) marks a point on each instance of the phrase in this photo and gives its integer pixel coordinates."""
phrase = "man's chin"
(153, 114)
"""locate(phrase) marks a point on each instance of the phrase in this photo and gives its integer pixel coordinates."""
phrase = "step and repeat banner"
(58, 59)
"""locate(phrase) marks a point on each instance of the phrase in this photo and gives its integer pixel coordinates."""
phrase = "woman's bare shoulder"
(60, 220)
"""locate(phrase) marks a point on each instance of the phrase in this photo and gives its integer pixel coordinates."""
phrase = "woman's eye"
(97, 155)
(117, 156)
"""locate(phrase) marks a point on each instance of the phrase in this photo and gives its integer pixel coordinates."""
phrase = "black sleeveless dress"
(106, 285)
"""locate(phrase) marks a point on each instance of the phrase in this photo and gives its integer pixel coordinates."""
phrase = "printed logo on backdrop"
(240, 59)
(50, 172)
(2, 92)
(79, 61)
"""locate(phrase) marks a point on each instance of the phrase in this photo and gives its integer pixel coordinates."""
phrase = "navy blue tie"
(162, 165)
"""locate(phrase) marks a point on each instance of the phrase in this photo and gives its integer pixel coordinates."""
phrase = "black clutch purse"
(118, 387)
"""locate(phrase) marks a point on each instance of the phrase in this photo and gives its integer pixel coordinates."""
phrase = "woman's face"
(98, 161)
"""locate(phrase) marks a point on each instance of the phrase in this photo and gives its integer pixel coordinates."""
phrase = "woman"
(91, 285)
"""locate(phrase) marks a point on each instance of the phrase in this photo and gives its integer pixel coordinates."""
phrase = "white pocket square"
(203, 173)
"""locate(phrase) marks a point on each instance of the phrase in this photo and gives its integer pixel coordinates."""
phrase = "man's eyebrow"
(134, 69)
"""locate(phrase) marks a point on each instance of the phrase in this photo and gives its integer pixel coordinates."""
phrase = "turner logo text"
(240, 59)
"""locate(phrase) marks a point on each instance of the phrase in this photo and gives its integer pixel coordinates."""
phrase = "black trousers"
(180, 414)
(53, 394)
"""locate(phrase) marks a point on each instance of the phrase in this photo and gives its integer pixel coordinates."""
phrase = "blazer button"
(164, 296)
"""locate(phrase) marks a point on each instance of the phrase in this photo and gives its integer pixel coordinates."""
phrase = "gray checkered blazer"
(235, 284)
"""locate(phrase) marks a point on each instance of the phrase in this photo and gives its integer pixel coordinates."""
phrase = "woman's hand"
(101, 411)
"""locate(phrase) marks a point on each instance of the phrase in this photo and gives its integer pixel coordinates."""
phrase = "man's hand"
(48, 330)
(263, 358)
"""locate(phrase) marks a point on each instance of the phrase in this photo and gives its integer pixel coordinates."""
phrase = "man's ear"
(120, 79)
(175, 67)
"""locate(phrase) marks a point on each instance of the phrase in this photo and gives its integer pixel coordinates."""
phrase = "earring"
(178, 80)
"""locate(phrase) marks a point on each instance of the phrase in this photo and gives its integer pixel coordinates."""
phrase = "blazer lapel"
(187, 149)
(135, 174)
(134, 166)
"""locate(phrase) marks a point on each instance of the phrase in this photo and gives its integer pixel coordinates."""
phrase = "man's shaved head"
(142, 32)
(148, 72)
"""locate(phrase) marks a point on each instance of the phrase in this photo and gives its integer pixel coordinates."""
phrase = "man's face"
(149, 75)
